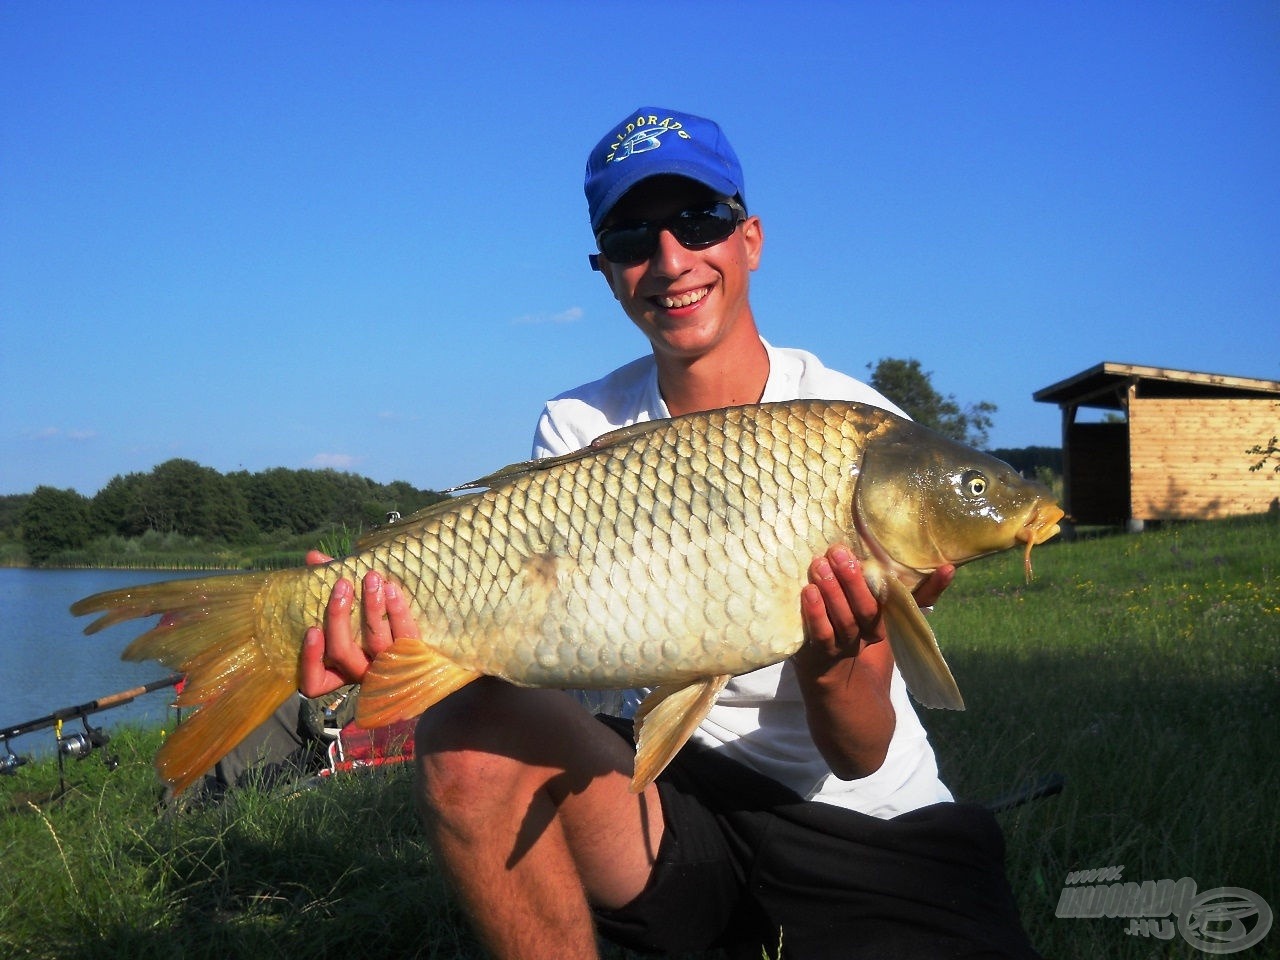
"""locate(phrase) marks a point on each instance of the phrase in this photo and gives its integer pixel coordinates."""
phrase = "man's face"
(685, 301)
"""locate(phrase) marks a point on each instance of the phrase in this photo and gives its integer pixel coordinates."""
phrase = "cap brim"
(701, 173)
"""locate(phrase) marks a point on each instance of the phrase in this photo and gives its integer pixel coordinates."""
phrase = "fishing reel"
(80, 745)
(10, 762)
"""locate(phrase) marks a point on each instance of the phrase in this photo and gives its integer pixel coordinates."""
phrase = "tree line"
(910, 386)
(187, 500)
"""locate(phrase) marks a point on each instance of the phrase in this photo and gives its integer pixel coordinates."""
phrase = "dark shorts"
(745, 862)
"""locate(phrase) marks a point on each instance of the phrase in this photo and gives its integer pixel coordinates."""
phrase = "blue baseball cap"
(652, 141)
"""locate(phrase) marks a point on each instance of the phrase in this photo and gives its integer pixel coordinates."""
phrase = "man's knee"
(489, 743)
(477, 748)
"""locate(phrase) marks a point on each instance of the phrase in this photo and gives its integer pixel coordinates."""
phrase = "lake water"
(46, 661)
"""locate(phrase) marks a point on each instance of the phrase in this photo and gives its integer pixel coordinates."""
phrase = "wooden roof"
(1105, 386)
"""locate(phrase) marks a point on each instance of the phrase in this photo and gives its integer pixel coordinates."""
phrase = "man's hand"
(331, 657)
(844, 671)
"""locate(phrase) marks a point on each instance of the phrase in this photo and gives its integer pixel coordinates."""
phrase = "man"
(808, 805)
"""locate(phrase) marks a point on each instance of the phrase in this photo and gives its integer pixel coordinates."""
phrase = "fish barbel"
(669, 554)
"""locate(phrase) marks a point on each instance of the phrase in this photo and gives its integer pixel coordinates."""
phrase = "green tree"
(278, 500)
(180, 496)
(54, 520)
(1268, 452)
(118, 507)
(911, 388)
(11, 507)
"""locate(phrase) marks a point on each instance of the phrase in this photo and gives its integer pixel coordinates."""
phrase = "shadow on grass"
(340, 871)
(1171, 770)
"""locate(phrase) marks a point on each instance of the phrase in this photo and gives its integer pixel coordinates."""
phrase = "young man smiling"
(808, 802)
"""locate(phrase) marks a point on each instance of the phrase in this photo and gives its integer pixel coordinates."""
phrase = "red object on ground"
(373, 748)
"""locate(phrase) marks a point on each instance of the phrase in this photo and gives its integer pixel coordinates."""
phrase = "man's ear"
(606, 270)
(753, 235)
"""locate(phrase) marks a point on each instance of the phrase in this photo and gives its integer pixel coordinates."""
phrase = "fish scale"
(668, 554)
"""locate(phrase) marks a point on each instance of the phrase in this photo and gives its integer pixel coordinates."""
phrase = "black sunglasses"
(696, 228)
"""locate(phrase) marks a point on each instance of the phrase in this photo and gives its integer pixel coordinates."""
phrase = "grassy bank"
(1144, 668)
(172, 551)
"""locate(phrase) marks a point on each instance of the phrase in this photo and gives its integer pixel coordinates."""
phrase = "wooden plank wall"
(1187, 458)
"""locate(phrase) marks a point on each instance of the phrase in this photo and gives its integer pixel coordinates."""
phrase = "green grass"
(99, 873)
(1144, 668)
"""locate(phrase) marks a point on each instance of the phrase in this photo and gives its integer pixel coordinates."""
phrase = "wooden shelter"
(1176, 449)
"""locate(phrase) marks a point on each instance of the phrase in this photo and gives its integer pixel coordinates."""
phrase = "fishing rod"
(78, 745)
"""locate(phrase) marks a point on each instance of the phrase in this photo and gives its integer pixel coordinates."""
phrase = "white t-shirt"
(759, 718)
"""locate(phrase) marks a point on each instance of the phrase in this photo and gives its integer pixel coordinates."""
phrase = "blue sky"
(294, 234)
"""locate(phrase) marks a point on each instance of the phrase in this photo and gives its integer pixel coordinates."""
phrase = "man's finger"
(862, 604)
(344, 655)
(399, 614)
(931, 588)
(377, 633)
(843, 621)
(314, 679)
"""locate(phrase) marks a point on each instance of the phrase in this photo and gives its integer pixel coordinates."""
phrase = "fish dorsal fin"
(626, 434)
(411, 523)
(666, 720)
(502, 477)
(406, 679)
(915, 648)
(606, 441)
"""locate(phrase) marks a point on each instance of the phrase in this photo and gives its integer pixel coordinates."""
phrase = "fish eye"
(973, 483)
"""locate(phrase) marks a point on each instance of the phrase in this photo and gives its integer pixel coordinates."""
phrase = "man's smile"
(687, 299)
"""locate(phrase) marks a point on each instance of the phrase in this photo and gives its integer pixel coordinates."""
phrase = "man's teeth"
(684, 300)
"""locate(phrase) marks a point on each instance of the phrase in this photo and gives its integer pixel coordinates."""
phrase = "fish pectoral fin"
(915, 649)
(666, 720)
(406, 679)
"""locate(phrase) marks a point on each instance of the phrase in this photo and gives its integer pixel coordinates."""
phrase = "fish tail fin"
(212, 731)
(218, 632)
(915, 648)
(665, 721)
(406, 679)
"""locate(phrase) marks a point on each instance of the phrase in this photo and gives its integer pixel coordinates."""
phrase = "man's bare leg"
(525, 799)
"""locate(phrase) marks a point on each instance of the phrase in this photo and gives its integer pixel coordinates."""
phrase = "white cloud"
(395, 416)
(334, 461)
(57, 433)
(571, 315)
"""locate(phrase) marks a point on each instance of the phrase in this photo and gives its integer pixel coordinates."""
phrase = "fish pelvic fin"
(666, 720)
(915, 648)
(219, 632)
(406, 679)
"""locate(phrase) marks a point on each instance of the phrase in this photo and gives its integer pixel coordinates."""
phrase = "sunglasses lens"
(629, 243)
(703, 228)
(695, 228)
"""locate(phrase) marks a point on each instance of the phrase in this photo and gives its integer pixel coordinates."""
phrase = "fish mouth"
(1040, 526)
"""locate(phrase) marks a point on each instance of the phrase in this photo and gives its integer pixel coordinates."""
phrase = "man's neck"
(727, 377)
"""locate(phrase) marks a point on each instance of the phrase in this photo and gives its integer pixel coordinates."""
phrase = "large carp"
(668, 554)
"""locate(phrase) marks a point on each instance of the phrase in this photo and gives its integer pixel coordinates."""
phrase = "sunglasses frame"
(655, 227)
